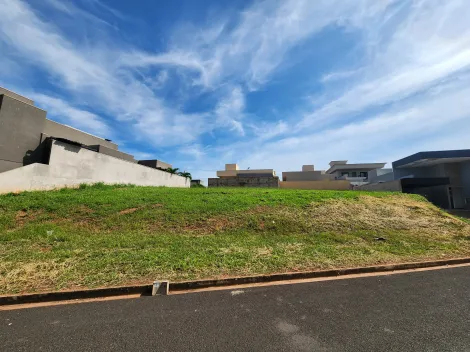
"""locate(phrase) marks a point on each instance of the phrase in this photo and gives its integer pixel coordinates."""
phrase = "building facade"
(309, 178)
(443, 177)
(233, 177)
(356, 174)
(28, 138)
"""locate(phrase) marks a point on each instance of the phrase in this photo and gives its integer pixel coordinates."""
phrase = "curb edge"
(193, 285)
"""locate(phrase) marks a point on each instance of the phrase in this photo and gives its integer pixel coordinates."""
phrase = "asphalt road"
(421, 311)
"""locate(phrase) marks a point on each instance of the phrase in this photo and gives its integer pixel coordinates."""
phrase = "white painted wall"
(71, 165)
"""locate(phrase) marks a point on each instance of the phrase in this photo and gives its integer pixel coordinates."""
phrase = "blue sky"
(265, 84)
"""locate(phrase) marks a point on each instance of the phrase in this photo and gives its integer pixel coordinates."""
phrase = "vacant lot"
(112, 235)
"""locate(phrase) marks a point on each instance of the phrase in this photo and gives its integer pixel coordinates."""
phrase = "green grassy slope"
(111, 235)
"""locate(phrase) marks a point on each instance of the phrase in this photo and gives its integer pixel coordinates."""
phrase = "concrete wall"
(458, 173)
(380, 175)
(113, 152)
(465, 167)
(234, 173)
(16, 96)
(71, 165)
(264, 181)
(325, 185)
(155, 164)
(429, 171)
(21, 125)
(390, 186)
(54, 129)
(438, 195)
(306, 176)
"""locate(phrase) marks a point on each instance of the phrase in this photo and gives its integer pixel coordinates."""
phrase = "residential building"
(443, 177)
(196, 183)
(309, 178)
(37, 153)
(356, 174)
(156, 164)
(233, 177)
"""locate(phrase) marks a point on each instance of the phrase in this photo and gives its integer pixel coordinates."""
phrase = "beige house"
(232, 170)
(309, 178)
(232, 176)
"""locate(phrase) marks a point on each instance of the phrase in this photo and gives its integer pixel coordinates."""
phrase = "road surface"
(419, 311)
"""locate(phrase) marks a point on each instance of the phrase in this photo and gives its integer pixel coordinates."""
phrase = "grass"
(112, 235)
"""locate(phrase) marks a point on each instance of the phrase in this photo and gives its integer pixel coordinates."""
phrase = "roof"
(365, 166)
(423, 159)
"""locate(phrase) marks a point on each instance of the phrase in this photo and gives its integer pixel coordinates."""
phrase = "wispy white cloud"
(61, 111)
(428, 122)
(257, 45)
(91, 76)
(230, 110)
(413, 55)
(403, 87)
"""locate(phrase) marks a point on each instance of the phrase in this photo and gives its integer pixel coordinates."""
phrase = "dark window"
(345, 174)
(354, 174)
(363, 174)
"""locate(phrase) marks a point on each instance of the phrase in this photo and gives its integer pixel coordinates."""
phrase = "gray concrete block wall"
(429, 171)
(113, 152)
(9, 165)
(21, 125)
(271, 182)
(306, 176)
(155, 164)
(55, 129)
(380, 175)
(71, 165)
(465, 168)
(16, 96)
(389, 186)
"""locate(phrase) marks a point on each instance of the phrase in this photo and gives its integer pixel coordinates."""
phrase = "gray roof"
(433, 158)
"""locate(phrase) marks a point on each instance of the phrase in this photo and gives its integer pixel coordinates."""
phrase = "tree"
(173, 171)
(186, 174)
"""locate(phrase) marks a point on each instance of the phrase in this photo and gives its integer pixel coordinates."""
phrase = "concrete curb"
(193, 285)
(72, 295)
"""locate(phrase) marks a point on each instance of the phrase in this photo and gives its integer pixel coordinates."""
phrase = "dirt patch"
(23, 216)
(83, 209)
(158, 205)
(128, 211)
(208, 226)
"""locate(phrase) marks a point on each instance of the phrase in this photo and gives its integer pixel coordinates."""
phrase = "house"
(233, 177)
(309, 178)
(196, 183)
(356, 174)
(37, 153)
(443, 177)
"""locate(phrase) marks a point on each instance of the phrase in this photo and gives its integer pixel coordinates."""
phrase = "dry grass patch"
(128, 211)
(394, 213)
(32, 276)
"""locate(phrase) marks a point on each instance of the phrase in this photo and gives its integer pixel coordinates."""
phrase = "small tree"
(186, 174)
(172, 170)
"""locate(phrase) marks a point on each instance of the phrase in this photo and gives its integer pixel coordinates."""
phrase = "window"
(345, 174)
(354, 174)
(363, 174)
